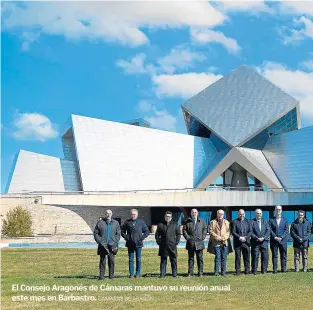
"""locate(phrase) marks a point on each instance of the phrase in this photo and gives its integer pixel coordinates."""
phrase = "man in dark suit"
(107, 234)
(167, 236)
(194, 231)
(259, 242)
(300, 232)
(134, 231)
(242, 232)
(278, 241)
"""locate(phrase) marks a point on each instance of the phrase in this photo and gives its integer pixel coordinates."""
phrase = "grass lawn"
(79, 267)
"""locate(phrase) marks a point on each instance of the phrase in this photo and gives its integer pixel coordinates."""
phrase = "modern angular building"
(243, 135)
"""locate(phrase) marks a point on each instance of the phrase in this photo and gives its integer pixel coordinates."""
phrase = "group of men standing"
(260, 233)
(250, 238)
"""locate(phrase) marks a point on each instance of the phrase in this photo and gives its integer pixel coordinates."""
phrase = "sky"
(124, 60)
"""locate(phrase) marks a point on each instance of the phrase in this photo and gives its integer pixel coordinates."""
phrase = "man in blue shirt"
(134, 231)
(107, 234)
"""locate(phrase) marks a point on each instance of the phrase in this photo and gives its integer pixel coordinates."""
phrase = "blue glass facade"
(70, 176)
(204, 153)
(286, 123)
(218, 143)
(291, 157)
(69, 166)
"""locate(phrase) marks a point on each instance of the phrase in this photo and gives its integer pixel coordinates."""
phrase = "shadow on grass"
(157, 275)
(146, 275)
(77, 277)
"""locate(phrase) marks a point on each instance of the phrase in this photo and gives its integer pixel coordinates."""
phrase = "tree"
(18, 223)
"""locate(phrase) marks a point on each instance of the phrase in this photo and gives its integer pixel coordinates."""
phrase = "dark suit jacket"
(134, 232)
(195, 237)
(300, 231)
(256, 233)
(236, 232)
(167, 237)
(281, 231)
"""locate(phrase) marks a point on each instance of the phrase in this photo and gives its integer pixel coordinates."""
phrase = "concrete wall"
(66, 219)
(214, 198)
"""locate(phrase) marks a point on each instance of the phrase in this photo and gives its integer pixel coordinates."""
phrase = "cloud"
(144, 106)
(134, 66)
(308, 64)
(294, 35)
(204, 36)
(295, 82)
(250, 6)
(179, 58)
(29, 38)
(121, 22)
(157, 117)
(33, 126)
(182, 85)
(297, 7)
(162, 119)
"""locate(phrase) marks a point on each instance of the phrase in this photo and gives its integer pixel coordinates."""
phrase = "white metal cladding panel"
(116, 156)
(291, 157)
(257, 158)
(36, 172)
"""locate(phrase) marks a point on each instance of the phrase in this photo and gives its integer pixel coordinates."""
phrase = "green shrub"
(18, 223)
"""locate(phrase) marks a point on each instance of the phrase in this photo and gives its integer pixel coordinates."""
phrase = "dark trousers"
(110, 264)
(255, 251)
(191, 256)
(220, 259)
(275, 247)
(131, 258)
(245, 250)
(163, 264)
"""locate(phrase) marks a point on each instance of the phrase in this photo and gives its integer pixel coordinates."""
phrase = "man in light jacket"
(219, 243)
(107, 234)
(194, 231)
